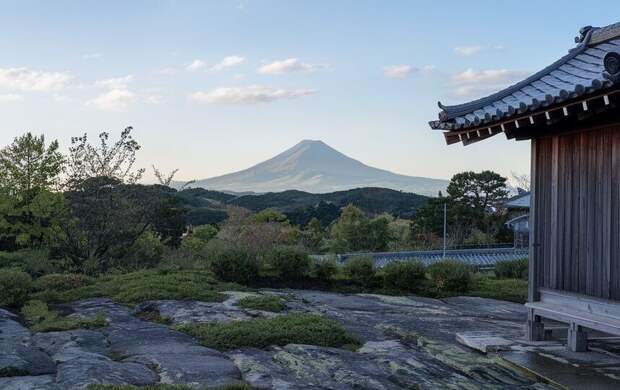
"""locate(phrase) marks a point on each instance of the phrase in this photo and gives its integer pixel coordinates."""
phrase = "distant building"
(570, 111)
(518, 218)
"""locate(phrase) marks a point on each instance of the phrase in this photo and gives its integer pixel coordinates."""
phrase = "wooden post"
(577, 338)
(535, 327)
(533, 244)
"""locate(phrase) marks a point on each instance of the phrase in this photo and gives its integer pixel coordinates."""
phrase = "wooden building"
(570, 112)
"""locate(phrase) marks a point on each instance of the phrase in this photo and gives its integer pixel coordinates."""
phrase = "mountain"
(315, 167)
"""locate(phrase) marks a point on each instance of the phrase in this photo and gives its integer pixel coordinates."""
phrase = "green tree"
(354, 231)
(479, 191)
(29, 210)
(108, 160)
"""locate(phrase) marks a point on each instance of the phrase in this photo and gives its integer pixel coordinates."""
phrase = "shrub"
(265, 302)
(360, 270)
(145, 285)
(289, 262)
(263, 332)
(61, 282)
(325, 269)
(41, 319)
(232, 263)
(199, 238)
(512, 269)
(161, 386)
(514, 290)
(35, 262)
(15, 285)
(145, 252)
(450, 276)
(404, 275)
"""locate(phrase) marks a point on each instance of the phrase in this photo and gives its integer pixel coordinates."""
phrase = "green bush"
(324, 269)
(512, 269)
(404, 276)
(61, 282)
(514, 290)
(450, 276)
(270, 303)
(145, 252)
(145, 285)
(289, 262)
(263, 332)
(360, 270)
(15, 285)
(161, 386)
(35, 262)
(41, 319)
(232, 263)
(199, 238)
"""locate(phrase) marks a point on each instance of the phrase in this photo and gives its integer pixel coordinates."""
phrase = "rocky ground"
(409, 342)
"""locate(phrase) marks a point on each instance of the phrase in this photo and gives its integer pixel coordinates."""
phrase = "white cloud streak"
(467, 51)
(24, 79)
(10, 98)
(115, 82)
(402, 71)
(473, 82)
(290, 65)
(113, 100)
(252, 94)
(226, 62)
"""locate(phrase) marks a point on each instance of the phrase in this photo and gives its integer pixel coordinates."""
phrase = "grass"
(239, 386)
(514, 290)
(139, 286)
(270, 303)
(281, 330)
(41, 319)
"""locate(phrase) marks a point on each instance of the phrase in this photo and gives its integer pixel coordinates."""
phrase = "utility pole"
(444, 228)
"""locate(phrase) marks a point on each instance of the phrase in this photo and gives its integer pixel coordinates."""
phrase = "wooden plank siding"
(575, 218)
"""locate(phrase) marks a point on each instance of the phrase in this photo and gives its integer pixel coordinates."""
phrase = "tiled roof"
(581, 72)
(486, 257)
(521, 201)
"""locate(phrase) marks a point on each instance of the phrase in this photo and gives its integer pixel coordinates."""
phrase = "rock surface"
(409, 342)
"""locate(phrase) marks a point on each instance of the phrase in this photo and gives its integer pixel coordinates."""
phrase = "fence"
(485, 258)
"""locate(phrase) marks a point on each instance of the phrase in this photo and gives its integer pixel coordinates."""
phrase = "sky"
(212, 87)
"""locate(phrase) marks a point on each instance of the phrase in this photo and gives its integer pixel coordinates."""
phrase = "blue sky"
(216, 86)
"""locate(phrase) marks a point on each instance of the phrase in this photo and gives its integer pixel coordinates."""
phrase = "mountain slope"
(313, 166)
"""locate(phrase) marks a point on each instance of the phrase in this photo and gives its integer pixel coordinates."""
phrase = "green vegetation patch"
(514, 290)
(281, 330)
(237, 386)
(140, 286)
(41, 319)
(264, 302)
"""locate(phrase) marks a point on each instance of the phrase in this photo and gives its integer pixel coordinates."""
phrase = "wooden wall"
(575, 240)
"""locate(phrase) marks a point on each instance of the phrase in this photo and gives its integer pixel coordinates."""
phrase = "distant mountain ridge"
(313, 166)
(210, 207)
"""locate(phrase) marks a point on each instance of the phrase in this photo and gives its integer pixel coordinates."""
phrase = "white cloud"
(467, 51)
(154, 99)
(92, 56)
(289, 65)
(167, 71)
(402, 71)
(114, 83)
(113, 100)
(196, 65)
(248, 95)
(473, 82)
(23, 79)
(10, 98)
(228, 62)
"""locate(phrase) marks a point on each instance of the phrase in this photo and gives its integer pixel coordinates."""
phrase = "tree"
(114, 161)
(354, 231)
(164, 180)
(478, 190)
(29, 210)
(28, 164)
